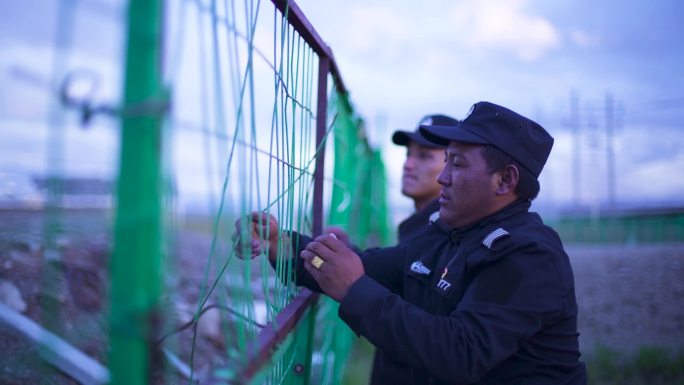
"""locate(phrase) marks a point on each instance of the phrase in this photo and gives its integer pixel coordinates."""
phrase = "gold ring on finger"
(317, 262)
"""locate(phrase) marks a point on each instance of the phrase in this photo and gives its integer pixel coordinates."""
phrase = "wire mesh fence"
(121, 244)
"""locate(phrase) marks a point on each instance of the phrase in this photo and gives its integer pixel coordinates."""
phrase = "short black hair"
(528, 185)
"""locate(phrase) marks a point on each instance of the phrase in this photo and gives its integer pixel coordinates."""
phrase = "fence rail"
(623, 226)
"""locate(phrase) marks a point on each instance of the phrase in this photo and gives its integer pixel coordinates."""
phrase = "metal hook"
(80, 97)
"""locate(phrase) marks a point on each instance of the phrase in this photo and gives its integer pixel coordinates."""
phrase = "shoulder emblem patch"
(489, 240)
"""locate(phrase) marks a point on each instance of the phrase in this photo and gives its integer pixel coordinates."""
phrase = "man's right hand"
(339, 233)
(264, 232)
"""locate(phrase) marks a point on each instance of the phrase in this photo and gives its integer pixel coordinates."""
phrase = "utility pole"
(576, 161)
(610, 152)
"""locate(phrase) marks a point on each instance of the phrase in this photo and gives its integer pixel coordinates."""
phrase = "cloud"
(375, 24)
(485, 25)
(583, 39)
(647, 180)
(505, 25)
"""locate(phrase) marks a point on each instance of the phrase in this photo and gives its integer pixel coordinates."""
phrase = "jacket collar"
(420, 217)
(516, 207)
(424, 267)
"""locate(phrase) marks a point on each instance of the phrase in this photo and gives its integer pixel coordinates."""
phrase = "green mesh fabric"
(359, 203)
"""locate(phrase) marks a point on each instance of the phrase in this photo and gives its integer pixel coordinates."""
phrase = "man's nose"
(443, 177)
(408, 163)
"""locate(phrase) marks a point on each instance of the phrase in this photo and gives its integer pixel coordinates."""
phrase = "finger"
(260, 216)
(254, 216)
(246, 224)
(316, 248)
(313, 271)
(263, 221)
(236, 236)
(254, 245)
(307, 255)
(251, 223)
(338, 232)
(320, 249)
(332, 242)
(265, 225)
(327, 246)
(239, 240)
(241, 248)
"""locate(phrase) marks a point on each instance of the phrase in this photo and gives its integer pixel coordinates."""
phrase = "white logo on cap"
(427, 121)
(470, 112)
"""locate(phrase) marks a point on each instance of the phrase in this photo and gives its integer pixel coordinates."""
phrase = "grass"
(648, 366)
(358, 368)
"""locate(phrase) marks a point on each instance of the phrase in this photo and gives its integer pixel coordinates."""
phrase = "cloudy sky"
(403, 59)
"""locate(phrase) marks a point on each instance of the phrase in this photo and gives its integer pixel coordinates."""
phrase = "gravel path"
(629, 297)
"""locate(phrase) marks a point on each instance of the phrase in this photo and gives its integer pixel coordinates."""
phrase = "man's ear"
(510, 177)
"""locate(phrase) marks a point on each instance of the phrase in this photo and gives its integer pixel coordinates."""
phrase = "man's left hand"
(341, 267)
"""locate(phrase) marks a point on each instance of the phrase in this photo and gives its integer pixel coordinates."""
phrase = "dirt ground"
(628, 296)
(64, 288)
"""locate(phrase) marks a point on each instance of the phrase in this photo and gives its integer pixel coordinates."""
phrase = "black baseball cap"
(403, 138)
(487, 123)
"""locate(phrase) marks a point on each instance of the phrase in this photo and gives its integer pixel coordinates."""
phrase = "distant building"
(21, 191)
(75, 193)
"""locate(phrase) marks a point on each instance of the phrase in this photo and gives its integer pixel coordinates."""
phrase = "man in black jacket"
(424, 161)
(492, 302)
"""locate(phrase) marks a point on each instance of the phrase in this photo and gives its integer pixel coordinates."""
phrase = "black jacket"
(413, 225)
(385, 370)
(490, 304)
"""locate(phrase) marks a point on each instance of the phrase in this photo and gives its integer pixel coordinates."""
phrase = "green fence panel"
(631, 227)
(146, 286)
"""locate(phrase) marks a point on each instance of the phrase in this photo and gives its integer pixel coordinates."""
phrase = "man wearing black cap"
(494, 301)
(424, 161)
